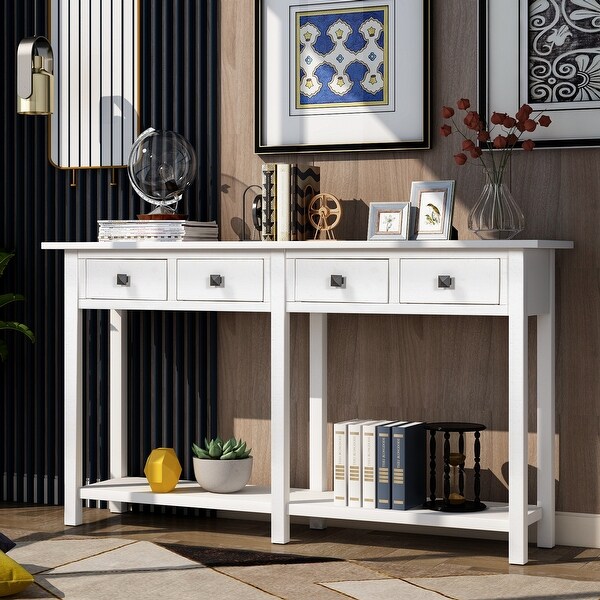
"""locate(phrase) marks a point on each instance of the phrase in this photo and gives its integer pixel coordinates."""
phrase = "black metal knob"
(122, 279)
(444, 281)
(338, 281)
(216, 281)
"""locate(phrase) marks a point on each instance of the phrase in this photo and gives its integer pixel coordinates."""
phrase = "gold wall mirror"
(96, 47)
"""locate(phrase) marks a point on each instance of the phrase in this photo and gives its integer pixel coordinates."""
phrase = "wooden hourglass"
(454, 497)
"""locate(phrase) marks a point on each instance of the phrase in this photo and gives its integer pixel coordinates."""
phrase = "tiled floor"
(115, 556)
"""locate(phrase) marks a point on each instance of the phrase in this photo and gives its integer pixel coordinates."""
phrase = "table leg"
(546, 417)
(73, 409)
(280, 404)
(517, 411)
(318, 408)
(118, 400)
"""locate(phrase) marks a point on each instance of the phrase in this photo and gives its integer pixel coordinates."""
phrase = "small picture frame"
(388, 221)
(432, 203)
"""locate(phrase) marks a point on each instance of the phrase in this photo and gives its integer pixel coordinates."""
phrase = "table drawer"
(238, 280)
(450, 281)
(144, 279)
(342, 280)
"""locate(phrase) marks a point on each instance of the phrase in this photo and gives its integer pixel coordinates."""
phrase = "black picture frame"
(283, 126)
(505, 72)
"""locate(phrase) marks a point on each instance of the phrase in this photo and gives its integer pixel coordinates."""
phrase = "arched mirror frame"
(97, 82)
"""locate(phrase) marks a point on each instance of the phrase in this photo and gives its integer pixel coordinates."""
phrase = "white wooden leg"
(546, 418)
(118, 400)
(318, 408)
(73, 437)
(517, 412)
(280, 404)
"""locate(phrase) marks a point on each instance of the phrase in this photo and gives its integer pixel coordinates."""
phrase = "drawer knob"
(445, 281)
(123, 279)
(216, 281)
(338, 281)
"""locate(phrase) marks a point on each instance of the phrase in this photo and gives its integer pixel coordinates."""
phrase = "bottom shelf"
(303, 503)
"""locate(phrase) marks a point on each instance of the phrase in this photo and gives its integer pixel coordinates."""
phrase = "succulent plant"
(217, 449)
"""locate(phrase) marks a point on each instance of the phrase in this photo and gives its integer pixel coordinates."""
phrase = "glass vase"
(496, 215)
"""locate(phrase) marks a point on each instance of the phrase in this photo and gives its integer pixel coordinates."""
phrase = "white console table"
(514, 279)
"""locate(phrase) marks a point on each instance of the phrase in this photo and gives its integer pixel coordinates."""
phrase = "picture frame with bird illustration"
(432, 203)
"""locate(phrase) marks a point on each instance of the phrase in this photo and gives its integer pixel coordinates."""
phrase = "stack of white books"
(379, 464)
(157, 230)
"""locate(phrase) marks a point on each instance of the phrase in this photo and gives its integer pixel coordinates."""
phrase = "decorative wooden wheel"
(324, 213)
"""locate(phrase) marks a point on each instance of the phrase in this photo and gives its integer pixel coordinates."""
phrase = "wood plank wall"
(425, 368)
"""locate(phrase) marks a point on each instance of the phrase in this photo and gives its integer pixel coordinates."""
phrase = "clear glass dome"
(162, 164)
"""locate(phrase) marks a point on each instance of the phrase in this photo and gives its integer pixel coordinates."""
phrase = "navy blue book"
(384, 464)
(409, 466)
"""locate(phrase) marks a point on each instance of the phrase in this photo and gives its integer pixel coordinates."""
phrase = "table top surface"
(330, 245)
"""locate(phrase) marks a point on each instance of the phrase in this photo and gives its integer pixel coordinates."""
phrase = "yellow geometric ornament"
(162, 469)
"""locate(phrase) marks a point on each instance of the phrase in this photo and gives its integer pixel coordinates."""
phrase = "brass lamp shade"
(35, 79)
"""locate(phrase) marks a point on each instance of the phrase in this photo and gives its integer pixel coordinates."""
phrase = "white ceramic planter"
(222, 476)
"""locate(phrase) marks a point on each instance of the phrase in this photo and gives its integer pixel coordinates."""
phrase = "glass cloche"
(162, 164)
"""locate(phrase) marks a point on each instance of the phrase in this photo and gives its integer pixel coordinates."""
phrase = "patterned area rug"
(230, 557)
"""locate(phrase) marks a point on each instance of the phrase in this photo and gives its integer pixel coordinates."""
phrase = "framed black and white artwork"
(545, 53)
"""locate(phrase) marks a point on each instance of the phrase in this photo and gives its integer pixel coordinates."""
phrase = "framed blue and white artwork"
(342, 76)
(545, 53)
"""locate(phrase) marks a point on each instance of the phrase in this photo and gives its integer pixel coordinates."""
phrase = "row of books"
(168, 230)
(287, 192)
(379, 464)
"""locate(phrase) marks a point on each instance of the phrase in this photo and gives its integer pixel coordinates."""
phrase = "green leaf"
(215, 449)
(199, 452)
(13, 325)
(4, 260)
(8, 298)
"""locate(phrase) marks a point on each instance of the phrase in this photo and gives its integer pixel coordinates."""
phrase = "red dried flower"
(528, 145)
(473, 120)
(513, 127)
(498, 118)
(524, 112)
(500, 141)
(447, 112)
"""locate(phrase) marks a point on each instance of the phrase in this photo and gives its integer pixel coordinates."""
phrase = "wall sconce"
(35, 77)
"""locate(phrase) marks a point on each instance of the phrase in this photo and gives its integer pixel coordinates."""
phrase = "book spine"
(398, 459)
(306, 185)
(416, 466)
(384, 447)
(354, 465)
(283, 202)
(340, 464)
(268, 232)
(409, 466)
(293, 200)
(369, 463)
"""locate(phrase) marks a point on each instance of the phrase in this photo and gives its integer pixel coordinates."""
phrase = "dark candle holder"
(454, 499)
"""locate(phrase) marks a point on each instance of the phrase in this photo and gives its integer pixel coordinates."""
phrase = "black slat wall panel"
(172, 383)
